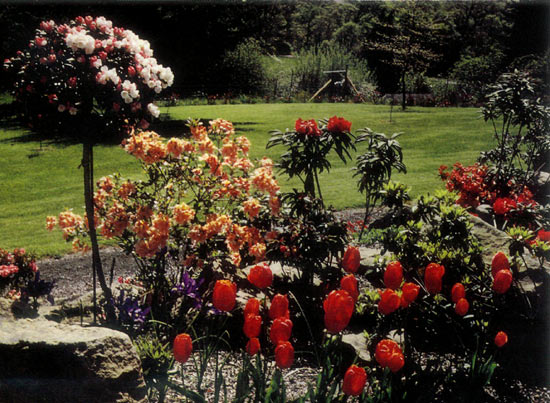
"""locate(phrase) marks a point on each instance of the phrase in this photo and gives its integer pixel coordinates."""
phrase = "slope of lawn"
(41, 179)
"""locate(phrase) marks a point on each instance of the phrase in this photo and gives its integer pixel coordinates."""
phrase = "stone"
(45, 361)
(358, 343)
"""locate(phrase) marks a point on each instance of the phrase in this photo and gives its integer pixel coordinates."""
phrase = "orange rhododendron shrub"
(351, 259)
(224, 295)
(284, 355)
(354, 381)
(338, 308)
(389, 354)
(183, 347)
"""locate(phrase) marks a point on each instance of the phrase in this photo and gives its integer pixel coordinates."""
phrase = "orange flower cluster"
(71, 224)
(147, 146)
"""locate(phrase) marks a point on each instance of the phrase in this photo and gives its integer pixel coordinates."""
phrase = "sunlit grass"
(41, 179)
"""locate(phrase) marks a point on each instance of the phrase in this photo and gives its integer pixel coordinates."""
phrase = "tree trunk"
(403, 90)
(87, 165)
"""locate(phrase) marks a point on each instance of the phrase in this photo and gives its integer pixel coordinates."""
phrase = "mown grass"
(41, 179)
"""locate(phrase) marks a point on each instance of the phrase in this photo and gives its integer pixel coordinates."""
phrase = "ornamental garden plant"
(229, 266)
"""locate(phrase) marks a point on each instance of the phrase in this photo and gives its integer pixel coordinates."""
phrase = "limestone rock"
(45, 361)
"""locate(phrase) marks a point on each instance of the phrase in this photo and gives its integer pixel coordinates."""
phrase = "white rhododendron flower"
(153, 110)
(80, 40)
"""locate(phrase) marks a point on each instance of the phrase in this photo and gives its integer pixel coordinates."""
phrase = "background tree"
(404, 40)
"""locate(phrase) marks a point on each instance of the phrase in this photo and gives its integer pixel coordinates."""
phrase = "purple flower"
(189, 287)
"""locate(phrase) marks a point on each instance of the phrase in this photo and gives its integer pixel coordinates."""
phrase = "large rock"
(45, 361)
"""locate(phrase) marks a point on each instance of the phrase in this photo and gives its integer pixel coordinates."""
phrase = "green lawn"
(35, 183)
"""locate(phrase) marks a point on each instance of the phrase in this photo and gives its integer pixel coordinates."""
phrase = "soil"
(73, 278)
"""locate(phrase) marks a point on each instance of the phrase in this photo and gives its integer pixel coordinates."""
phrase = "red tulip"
(351, 259)
(462, 306)
(389, 302)
(279, 307)
(338, 125)
(252, 306)
(338, 308)
(393, 276)
(502, 281)
(281, 330)
(389, 354)
(354, 382)
(253, 346)
(499, 262)
(284, 355)
(501, 339)
(410, 292)
(349, 284)
(260, 276)
(183, 347)
(225, 293)
(457, 292)
(432, 277)
(252, 325)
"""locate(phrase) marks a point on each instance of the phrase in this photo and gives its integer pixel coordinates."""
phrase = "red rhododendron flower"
(253, 346)
(409, 294)
(349, 284)
(183, 347)
(501, 339)
(224, 295)
(281, 329)
(252, 325)
(279, 307)
(503, 205)
(389, 354)
(457, 292)
(338, 308)
(499, 262)
(462, 306)
(543, 235)
(354, 381)
(338, 125)
(351, 259)
(252, 307)
(260, 276)
(389, 301)
(502, 281)
(393, 276)
(432, 277)
(284, 355)
(307, 127)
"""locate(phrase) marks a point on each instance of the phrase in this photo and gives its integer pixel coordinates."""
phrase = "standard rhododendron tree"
(87, 69)
(87, 80)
